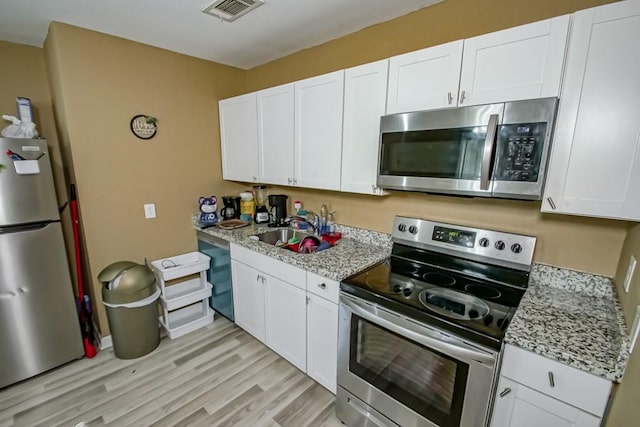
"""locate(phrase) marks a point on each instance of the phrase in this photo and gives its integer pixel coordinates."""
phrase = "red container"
(332, 238)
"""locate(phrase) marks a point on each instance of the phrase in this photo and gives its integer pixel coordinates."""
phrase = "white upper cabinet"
(595, 161)
(365, 94)
(517, 63)
(275, 135)
(426, 79)
(239, 138)
(523, 62)
(318, 131)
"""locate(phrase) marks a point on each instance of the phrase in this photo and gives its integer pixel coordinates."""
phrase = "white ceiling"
(273, 30)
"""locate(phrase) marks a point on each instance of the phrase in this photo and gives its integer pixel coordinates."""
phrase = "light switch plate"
(635, 329)
(149, 210)
(629, 276)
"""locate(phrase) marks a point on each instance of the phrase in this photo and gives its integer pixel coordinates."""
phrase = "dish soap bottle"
(331, 224)
(324, 218)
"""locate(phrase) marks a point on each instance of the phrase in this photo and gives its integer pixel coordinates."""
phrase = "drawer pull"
(552, 381)
(504, 392)
(322, 285)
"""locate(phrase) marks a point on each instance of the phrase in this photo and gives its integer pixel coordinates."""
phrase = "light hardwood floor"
(216, 376)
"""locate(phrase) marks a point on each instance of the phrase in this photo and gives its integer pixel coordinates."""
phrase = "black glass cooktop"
(468, 298)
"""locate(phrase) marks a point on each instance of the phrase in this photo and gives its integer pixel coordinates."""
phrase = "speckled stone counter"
(574, 318)
(357, 250)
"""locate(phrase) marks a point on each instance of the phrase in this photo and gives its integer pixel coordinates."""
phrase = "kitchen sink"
(280, 237)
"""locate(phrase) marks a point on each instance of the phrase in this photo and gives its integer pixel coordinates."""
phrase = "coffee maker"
(278, 202)
(231, 207)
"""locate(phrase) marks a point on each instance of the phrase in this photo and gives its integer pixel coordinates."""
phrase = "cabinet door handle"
(450, 98)
(322, 285)
(257, 277)
(504, 392)
(553, 205)
(295, 181)
(462, 96)
(552, 381)
(308, 299)
(289, 181)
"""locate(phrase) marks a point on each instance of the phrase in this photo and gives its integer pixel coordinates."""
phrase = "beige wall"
(441, 23)
(580, 243)
(24, 73)
(584, 244)
(626, 404)
(99, 83)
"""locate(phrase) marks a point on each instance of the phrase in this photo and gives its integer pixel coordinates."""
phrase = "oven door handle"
(487, 152)
(466, 353)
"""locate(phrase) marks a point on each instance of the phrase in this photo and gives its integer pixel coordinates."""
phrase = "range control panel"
(514, 250)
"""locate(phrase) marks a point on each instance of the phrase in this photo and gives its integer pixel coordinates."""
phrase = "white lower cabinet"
(322, 341)
(536, 391)
(519, 406)
(292, 311)
(248, 299)
(285, 319)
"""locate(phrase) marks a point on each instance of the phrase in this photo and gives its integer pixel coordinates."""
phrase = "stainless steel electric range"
(420, 333)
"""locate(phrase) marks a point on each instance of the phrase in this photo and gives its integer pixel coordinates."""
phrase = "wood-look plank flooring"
(216, 376)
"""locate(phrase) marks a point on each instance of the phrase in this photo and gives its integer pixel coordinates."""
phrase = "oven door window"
(426, 381)
(445, 153)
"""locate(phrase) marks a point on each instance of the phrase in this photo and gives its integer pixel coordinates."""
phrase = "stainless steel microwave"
(493, 150)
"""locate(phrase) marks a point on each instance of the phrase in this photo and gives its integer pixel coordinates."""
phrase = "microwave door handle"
(487, 153)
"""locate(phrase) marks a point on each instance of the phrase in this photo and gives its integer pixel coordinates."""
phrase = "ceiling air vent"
(230, 10)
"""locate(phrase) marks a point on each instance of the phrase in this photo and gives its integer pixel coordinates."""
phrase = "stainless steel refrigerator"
(39, 327)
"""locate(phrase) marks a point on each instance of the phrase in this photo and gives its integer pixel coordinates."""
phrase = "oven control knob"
(484, 242)
(413, 229)
(516, 248)
(402, 227)
(499, 245)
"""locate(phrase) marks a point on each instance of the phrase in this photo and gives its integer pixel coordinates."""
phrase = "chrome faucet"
(312, 219)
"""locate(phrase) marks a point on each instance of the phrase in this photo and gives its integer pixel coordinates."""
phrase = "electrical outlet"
(633, 336)
(149, 210)
(629, 276)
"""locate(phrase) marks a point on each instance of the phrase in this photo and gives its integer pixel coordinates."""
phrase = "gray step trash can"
(130, 296)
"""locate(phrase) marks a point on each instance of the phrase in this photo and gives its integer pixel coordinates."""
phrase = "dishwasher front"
(219, 273)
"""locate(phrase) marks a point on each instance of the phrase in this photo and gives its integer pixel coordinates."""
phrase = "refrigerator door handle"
(25, 227)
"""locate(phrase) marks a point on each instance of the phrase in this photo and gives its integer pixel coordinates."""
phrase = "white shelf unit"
(185, 305)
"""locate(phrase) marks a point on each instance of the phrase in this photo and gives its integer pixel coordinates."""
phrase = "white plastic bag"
(19, 129)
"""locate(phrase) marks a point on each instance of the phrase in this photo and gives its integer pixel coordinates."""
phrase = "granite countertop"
(571, 317)
(357, 250)
(574, 318)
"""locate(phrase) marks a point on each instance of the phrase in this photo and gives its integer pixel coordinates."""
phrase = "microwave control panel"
(519, 152)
